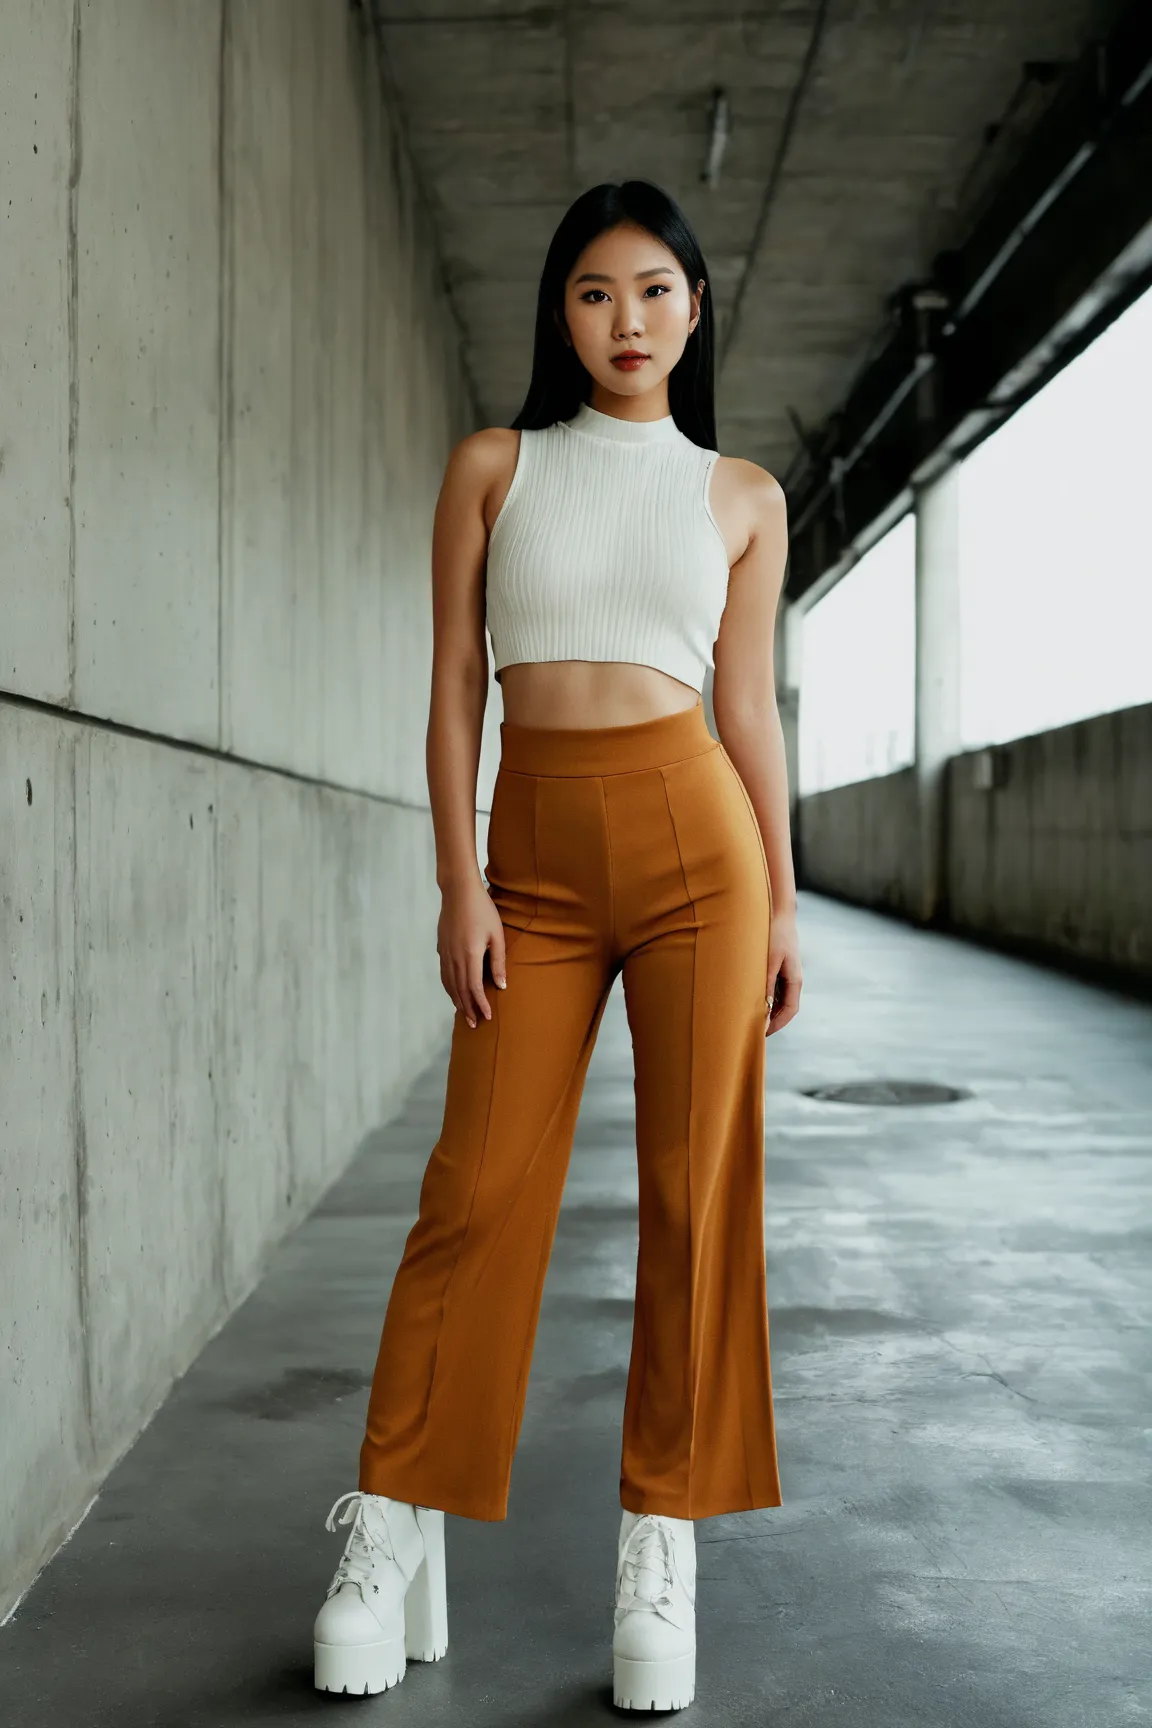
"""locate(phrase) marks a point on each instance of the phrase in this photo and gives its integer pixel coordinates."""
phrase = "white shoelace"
(646, 1573)
(361, 1550)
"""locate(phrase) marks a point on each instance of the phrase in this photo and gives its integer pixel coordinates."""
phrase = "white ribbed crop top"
(606, 548)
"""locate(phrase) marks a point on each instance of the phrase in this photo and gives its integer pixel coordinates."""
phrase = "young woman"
(614, 557)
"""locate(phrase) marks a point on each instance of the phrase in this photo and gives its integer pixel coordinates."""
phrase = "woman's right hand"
(470, 927)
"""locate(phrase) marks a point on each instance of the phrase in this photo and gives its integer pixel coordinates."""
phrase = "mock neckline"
(591, 421)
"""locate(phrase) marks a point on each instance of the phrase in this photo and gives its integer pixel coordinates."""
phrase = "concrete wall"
(1048, 842)
(1057, 851)
(862, 841)
(228, 385)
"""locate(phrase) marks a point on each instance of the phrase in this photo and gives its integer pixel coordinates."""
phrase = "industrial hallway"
(960, 1297)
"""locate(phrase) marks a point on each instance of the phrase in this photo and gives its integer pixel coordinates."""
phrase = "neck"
(596, 423)
(653, 405)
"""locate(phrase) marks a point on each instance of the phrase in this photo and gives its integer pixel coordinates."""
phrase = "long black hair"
(560, 381)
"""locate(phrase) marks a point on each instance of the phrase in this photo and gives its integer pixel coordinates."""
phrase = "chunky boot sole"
(426, 1598)
(358, 1669)
(668, 1685)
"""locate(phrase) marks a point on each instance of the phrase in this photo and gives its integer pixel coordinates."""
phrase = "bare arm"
(747, 719)
(469, 925)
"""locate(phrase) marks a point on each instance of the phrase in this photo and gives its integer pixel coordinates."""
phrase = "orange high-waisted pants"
(623, 848)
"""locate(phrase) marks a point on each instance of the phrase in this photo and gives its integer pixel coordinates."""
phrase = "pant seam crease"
(611, 872)
(536, 846)
(692, 1365)
(688, 1148)
(545, 1132)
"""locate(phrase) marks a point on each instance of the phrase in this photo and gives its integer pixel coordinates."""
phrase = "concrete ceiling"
(857, 149)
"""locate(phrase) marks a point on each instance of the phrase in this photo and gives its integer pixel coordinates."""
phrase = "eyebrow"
(597, 276)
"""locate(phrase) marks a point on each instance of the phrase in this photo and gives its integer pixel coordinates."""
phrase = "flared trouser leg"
(451, 1375)
(698, 1420)
(649, 861)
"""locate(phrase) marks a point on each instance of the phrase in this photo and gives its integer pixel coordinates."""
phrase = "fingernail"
(471, 1022)
(502, 983)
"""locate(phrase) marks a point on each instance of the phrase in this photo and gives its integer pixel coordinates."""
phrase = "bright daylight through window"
(858, 681)
(1055, 580)
(1055, 549)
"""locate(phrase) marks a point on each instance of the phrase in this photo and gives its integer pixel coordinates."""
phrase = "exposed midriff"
(587, 693)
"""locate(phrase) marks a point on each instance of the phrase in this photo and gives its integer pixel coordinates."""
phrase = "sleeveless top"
(606, 548)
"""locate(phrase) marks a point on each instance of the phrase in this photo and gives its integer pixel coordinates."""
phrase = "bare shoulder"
(488, 444)
(486, 454)
(760, 491)
(749, 505)
(480, 469)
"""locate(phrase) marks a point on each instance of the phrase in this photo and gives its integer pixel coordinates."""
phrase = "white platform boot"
(388, 1599)
(654, 1642)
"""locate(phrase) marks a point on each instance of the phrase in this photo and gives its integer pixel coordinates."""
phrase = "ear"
(697, 297)
(561, 325)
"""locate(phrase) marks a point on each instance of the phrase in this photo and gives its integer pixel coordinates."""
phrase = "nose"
(629, 320)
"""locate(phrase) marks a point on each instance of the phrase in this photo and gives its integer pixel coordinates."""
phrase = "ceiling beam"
(1033, 281)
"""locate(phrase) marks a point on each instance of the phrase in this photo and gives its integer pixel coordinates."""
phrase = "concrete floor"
(960, 1297)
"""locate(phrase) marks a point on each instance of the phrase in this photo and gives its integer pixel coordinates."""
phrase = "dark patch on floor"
(591, 1217)
(614, 1309)
(842, 1322)
(298, 1392)
(588, 1388)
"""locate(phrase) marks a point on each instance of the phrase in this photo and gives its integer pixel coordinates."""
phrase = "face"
(628, 294)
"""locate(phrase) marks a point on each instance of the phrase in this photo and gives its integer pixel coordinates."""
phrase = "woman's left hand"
(782, 993)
